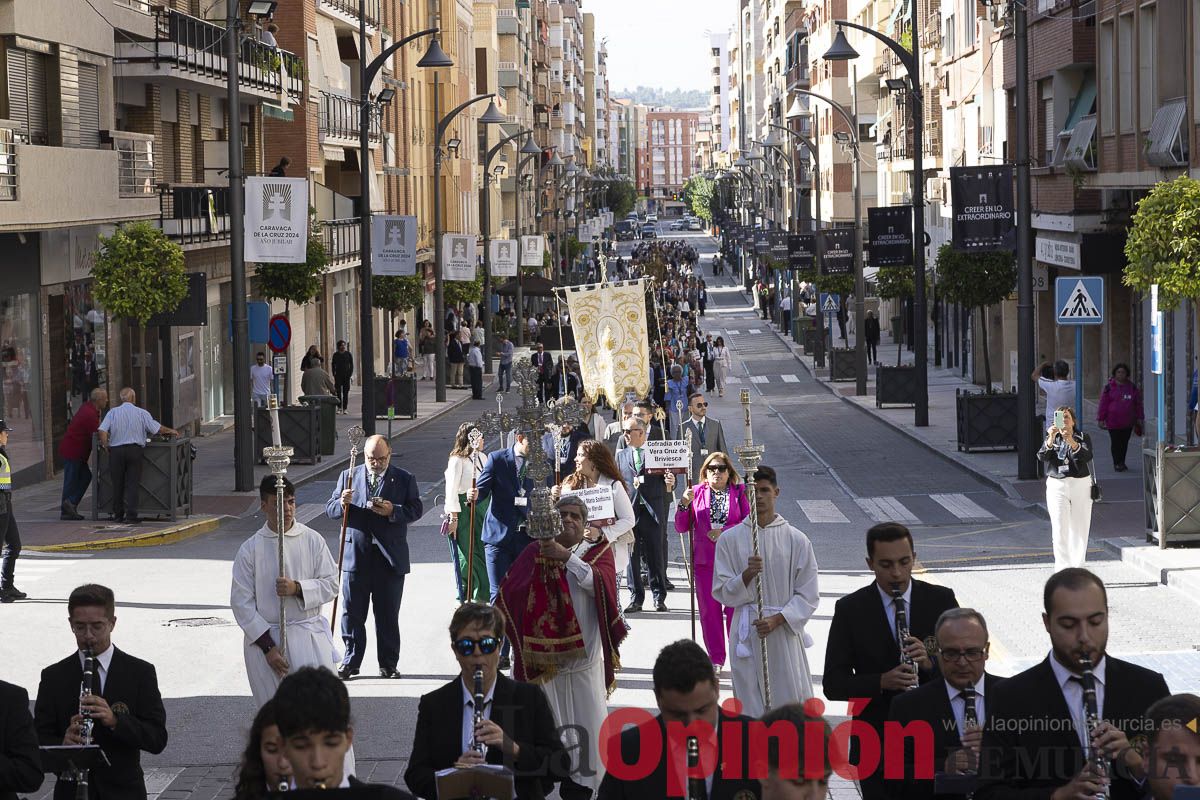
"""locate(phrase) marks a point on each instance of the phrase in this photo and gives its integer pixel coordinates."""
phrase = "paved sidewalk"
(213, 494)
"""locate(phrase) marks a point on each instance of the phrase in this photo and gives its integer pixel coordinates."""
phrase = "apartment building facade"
(671, 152)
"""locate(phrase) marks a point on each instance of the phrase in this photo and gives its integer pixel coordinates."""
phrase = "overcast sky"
(660, 42)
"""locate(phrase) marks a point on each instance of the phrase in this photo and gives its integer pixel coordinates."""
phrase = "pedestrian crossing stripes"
(821, 511)
(790, 378)
(937, 509)
(962, 506)
(34, 566)
(758, 379)
(307, 512)
(753, 331)
(885, 509)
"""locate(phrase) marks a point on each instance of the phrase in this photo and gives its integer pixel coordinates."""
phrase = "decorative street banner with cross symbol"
(276, 220)
(393, 245)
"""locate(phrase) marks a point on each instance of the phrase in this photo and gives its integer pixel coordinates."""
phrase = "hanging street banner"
(393, 245)
(802, 251)
(276, 220)
(503, 258)
(533, 250)
(837, 251)
(982, 200)
(779, 246)
(762, 242)
(458, 257)
(890, 234)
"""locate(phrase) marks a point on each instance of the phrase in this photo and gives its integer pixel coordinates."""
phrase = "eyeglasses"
(466, 647)
(634, 430)
(972, 654)
(718, 468)
(700, 405)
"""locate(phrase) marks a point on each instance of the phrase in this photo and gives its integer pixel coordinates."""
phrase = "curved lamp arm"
(906, 58)
(838, 107)
(496, 149)
(376, 65)
(807, 142)
(445, 121)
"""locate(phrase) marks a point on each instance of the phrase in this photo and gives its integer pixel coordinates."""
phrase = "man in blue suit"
(505, 478)
(382, 499)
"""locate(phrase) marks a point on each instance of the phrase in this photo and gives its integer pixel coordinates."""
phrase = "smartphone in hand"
(1060, 419)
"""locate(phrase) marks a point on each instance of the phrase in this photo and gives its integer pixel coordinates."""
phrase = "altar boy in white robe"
(310, 581)
(789, 581)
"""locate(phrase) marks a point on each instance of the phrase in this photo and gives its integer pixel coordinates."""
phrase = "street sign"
(830, 303)
(280, 365)
(1156, 343)
(1080, 300)
(280, 333)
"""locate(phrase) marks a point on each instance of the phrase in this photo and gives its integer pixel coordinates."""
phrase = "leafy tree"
(139, 272)
(835, 284)
(700, 192)
(1164, 242)
(976, 280)
(397, 293)
(455, 293)
(620, 198)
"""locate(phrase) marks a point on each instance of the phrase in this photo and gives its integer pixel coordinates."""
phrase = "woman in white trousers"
(721, 364)
(1067, 453)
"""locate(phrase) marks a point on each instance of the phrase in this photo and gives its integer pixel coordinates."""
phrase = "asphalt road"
(840, 468)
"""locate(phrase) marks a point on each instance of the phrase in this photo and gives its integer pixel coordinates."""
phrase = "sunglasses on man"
(466, 647)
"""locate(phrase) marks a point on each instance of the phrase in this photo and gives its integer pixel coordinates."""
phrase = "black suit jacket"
(931, 703)
(20, 764)
(862, 645)
(652, 489)
(654, 785)
(520, 709)
(1024, 758)
(131, 690)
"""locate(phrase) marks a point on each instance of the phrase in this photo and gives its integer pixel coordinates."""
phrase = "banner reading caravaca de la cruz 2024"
(458, 257)
(276, 219)
(502, 258)
(982, 199)
(393, 245)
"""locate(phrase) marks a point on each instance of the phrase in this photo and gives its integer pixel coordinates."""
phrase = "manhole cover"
(196, 622)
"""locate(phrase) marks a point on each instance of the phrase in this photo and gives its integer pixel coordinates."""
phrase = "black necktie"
(700, 425)
(899, 601)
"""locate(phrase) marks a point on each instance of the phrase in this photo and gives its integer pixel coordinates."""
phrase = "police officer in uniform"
(8, 526)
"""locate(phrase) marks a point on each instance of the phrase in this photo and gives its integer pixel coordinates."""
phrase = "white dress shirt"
(1073, 693)
(958, 704)
(103, 660)
(889, 605)
(468, 720)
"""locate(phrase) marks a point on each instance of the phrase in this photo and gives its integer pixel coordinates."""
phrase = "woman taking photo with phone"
(1067, 454)
(716, 504)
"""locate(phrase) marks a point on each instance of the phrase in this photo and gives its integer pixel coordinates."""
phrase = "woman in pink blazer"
(716, 504)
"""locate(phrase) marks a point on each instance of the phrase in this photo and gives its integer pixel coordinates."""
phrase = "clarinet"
(1091, 720)
(697, 789)
(902, 628)
(478, 745)
(87, 725)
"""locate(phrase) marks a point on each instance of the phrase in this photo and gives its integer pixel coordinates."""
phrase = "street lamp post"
(841, 50)
(485, 225)
(529, 150)
(434, 57)
(491, 116)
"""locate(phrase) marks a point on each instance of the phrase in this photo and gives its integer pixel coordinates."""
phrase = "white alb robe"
(789, 580)
(255, 605)
(577, 694)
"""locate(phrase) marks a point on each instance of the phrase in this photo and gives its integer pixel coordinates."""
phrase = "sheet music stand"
(481, 783)
(66, 760)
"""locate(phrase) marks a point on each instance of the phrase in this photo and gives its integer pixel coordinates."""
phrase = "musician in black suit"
(799, 774)
(687, 694)
(955, 708)
(312, 711)
(650, 495)
(1033, 742)
(517, 728)
(20, 764)
(862, 657)
(125, 705)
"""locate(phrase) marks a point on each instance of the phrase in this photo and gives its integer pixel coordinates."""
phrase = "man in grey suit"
(650, 495)
(614, 434)
(707, 434)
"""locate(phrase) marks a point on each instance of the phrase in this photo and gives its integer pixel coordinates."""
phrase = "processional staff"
(278, 458)
(750, 456)
(688, 547)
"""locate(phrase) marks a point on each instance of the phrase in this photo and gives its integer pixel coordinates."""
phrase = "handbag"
(445, 530)
(1097, 492)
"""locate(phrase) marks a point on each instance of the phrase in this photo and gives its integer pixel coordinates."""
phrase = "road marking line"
(885, 509)
(962, 506)
(732, 333)
(753, 331)
(307, 512)
(732, 379)
(821, 511)
(791, 378)
(759, 379)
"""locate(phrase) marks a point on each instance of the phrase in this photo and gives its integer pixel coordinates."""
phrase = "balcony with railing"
(47, 186)
(346, 12)
(338, 121)
(506, 74)
(508, 22)
(341, 238)
(193, 214)
(185, 48)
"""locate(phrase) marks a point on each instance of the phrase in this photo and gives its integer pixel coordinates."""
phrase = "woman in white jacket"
(721, 364)
(595, 466)
(462, 469)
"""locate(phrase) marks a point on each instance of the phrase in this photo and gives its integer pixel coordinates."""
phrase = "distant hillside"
(682, 99)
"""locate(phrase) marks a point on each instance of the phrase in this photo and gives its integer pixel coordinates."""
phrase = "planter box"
(841, 365)
(1171, 496)
(299, 429)
(895, 386)
(403, 396)
(812, 344)
(986, 421)
(166, 487)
